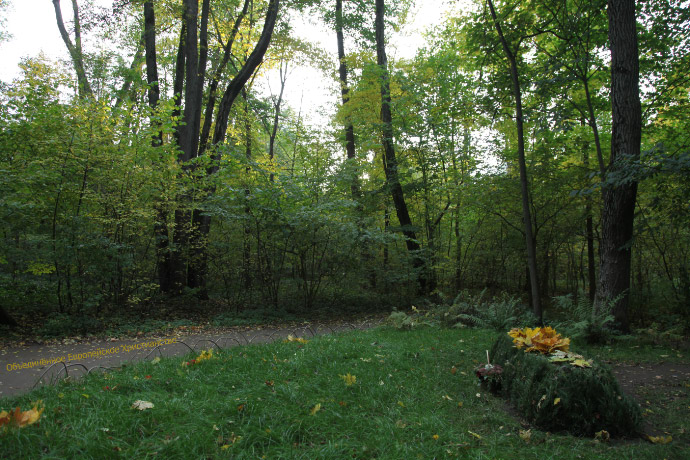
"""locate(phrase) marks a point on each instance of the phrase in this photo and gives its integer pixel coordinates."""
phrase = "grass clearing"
(295, 400)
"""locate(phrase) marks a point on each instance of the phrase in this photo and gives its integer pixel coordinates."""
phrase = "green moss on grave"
(562, 397)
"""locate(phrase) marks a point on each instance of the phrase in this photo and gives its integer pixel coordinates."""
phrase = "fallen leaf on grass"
(556, 401)
(349, 379)
(602, 436)
(315, 409)
(474, 434)
(659, 439)
(142, 405)
(21, 419)
(526, 435)
(291, 338)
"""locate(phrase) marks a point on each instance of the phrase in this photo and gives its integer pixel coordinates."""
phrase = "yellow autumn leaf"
(22, 419)
(602, 436)
(291, 338)
(556, 401)
(659, 439)
(525, 435)
(349, 379)
(581, 363)
(142, 405)
(435, 437)
(315, 409)
(474, 434)
(401, 404)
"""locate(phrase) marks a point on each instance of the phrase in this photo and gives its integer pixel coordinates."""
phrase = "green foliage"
(584, 321)
(476, 310)
(561, 397)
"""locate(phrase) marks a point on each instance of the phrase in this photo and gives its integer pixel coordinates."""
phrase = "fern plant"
(594, 325)
(500, 314)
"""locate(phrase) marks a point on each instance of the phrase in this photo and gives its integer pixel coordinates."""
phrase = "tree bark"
(276, 117)
(524, 189)
(160, 228)
(618, 213)
(75, 49)
(389, 160)
(238, 82)
(345, 90)
(213, 87)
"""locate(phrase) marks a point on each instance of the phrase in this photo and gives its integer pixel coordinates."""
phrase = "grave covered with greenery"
(558, 390)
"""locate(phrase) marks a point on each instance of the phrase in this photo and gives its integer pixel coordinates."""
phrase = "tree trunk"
(75, 49)
(160, 228)
(276, 117)
(389, 160)
(526, 213)
(345, 90)
(618, 211)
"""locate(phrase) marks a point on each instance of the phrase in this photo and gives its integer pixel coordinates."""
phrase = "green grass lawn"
(415, 396)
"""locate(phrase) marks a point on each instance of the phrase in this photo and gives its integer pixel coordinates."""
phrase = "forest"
(534, 149)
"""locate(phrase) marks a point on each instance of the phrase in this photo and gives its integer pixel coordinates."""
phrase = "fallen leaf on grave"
(156, 360)
(142, 405)
(526, 435)
(581, 363)
(659, 439)
(315, 409)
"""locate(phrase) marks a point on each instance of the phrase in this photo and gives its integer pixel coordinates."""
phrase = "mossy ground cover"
(409, 394)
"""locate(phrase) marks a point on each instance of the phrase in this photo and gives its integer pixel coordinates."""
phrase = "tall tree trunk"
(75, 49)
(618, 211)
(160, 228)
(201, 222)
(589, 227)
(276, 117)
(213, 87)
(390, 163)
(345, 91)
(526, 213)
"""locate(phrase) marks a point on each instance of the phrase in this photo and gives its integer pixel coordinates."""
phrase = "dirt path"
(25, 367)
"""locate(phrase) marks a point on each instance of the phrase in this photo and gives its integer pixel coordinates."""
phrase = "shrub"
(562, 397)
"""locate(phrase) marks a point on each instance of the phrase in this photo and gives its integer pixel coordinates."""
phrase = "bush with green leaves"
(563, 397)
